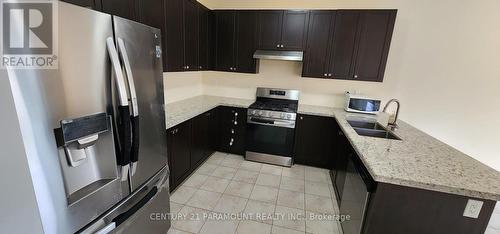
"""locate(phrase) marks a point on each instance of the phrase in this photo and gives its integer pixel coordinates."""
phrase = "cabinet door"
(92, 4)
(123, 8)
(174, 35)
(224, 57)
(373, 41)
(203, 38)
(315, 141)
(232, 127)
(211, 40)
(213, 132)
(191, 35)
(342, 152)
(294, 30)
(178, 148)
(269, 29)
(343, 44)
(318, 44)
(199, 139)
(246, 26)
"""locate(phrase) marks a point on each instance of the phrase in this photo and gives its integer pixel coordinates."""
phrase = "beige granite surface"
(418, 160)
(178, 112)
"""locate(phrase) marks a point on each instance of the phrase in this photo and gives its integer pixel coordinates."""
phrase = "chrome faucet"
(393, 125)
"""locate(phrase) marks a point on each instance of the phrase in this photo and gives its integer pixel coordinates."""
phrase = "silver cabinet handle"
(235, 121)
(325, 74)
(232, 131)
(281, 46)
(301, 118)
(231, 142)
(200, 67)
(355, 76)
(117, 69)
(278, 46)
(187, 67)
(128, 71)
(329, 74)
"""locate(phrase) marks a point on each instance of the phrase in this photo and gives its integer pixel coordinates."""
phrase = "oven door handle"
(272, 122)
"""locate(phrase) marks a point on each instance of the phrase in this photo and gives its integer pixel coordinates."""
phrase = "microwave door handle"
(135, 110)
(123, 109)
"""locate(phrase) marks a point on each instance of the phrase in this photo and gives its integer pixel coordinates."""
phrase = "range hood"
(279, 55)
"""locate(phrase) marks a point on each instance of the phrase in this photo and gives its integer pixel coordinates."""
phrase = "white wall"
(181, 85)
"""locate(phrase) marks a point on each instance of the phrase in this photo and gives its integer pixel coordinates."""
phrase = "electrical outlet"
(473, 208)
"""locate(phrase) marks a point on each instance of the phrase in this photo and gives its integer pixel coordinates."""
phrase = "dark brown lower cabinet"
(190, 143)
(201, 140)
(315, 141)
(179, 153)
(400, 209)
(342, 152)
(232, 128)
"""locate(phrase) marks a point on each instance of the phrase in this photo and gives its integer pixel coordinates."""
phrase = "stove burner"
(283, 107)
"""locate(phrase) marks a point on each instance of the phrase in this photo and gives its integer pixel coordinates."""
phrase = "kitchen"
(430, 56)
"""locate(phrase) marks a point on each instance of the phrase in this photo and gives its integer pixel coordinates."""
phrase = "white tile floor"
(267, 198)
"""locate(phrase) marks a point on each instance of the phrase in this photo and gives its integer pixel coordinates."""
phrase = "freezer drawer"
(138, 212)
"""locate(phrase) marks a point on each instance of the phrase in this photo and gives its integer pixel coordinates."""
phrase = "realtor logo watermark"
(29, 34)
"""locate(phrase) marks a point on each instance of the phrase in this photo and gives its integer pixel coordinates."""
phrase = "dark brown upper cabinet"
(123, 8)
(204, 38)
(191, 35)
(372, 45)
(343, 46)
(91, 4)
(235, 41)
(187, 36)
(225, 22)
(246, 26)
(174, 47)
(317, 52)
(357, 49)
(282, 30)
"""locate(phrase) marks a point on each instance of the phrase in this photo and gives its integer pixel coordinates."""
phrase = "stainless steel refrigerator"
(94, 129)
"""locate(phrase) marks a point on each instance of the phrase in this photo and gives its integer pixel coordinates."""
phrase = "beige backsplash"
(276, 74)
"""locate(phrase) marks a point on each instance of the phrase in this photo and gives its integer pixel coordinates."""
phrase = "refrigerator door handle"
(135, 110)
(123, 109)
(130, 78)
(125, 215)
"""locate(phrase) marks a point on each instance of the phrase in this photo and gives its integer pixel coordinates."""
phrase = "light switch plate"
(473, 208)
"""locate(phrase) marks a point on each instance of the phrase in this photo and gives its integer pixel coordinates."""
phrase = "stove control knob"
(254, 112)
(283, 115)
(288, 116)
(261, 113)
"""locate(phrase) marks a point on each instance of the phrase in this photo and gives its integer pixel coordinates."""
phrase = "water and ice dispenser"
(86, 155)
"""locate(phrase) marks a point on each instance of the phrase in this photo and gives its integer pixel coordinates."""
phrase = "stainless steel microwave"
(361, 104)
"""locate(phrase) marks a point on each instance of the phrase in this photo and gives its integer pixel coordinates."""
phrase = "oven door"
(270, 136)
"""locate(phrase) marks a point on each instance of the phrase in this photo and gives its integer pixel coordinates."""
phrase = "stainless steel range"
(271, 126)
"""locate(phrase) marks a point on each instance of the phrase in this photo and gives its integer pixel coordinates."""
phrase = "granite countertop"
(178, 112)
(418, 160)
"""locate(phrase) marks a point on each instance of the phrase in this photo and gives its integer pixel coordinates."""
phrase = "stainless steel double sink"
(372, 129)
